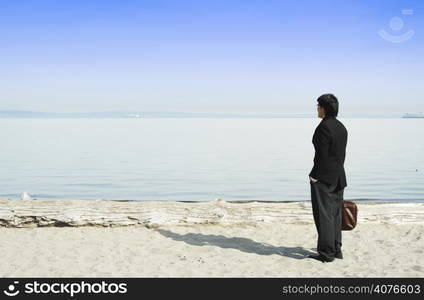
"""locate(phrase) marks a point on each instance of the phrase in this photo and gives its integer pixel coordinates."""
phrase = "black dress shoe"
(339, 255)
(321, 258)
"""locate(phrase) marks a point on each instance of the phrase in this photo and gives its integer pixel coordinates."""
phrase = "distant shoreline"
(188, 115)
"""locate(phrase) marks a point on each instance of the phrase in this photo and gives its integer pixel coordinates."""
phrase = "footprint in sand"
(417, 268)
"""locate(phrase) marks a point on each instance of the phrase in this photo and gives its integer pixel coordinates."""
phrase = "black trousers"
(327, 211)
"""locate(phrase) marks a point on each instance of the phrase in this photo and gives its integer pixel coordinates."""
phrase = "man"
(328, 179)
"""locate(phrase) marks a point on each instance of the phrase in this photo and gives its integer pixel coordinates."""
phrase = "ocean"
(201, 159)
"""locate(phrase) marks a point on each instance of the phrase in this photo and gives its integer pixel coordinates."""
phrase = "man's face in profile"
(321, 113)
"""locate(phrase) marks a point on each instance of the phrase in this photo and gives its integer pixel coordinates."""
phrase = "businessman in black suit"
(328, 179)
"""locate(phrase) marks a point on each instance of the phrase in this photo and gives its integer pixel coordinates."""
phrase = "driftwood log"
(104, 213)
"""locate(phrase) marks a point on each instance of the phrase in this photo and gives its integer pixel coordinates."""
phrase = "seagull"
(25, 196)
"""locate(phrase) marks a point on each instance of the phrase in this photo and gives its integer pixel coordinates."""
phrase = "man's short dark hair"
(330, 104)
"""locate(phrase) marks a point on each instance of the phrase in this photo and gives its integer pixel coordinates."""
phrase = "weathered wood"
(39, 213)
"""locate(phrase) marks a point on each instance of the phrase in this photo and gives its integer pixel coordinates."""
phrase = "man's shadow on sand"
(242, 244)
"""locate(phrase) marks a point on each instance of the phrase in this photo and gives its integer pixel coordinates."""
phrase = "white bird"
(25, 196)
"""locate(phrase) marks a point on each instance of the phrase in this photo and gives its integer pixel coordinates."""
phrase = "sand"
(389, 246)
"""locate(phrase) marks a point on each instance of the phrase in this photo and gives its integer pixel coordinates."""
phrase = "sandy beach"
(80, 238)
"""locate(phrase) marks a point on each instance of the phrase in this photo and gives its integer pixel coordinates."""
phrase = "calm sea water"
(203, 159)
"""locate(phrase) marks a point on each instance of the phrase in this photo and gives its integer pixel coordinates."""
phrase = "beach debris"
(303, 204)
(154, 214)
(25, 196)
(200, 260)
(182, 257)
(219, 201)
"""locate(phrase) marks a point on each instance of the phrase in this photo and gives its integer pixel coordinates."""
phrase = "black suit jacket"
(330, 139)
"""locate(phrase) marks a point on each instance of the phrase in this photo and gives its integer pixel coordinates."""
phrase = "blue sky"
(209, 56)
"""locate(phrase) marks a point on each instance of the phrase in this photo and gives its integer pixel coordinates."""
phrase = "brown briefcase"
(349, 215)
